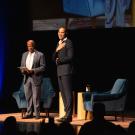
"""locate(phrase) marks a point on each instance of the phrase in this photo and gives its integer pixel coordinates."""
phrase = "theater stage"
(127, 119)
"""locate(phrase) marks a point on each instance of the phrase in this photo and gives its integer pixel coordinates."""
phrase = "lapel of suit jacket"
(25, 57)
(35, 58)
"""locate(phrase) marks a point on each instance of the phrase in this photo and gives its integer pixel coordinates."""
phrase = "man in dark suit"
(64, 60)
(32, 67)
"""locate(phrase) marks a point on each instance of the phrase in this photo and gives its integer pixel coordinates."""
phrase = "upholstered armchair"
(87, 102)
(19, 96)
(113, 99)
(47, 95)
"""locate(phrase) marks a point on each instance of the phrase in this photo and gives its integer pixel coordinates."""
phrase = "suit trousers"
(115, 6)
(65, 86)
(32, 94)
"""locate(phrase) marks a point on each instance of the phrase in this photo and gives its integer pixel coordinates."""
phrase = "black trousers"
(65, 86)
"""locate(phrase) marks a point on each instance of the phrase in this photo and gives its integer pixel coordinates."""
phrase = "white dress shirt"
(29, 60)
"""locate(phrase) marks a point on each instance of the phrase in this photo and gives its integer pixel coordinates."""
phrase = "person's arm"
(42, 65)
(23, 68)
(70, 53)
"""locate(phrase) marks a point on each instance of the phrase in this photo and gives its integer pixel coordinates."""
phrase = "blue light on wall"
(2, 46)
(1, 60)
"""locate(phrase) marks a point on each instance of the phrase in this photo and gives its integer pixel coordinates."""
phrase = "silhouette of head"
(98, 110)
(10, 125)
(131, 128)
(65, 128)
(10, 122)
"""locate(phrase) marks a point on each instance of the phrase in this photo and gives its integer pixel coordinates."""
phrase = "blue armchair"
(113, 99)
(47, 95)
(87, 102)
(19, 96)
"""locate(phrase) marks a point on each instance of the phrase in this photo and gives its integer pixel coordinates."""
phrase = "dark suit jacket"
(65, 55)
(38, 66)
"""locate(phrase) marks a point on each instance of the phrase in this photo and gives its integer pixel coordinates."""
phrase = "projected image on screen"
(75, 14)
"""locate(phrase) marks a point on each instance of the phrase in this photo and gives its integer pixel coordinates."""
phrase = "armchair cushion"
(104, 97)
(21, 95)
(118, 86)
(118, 90)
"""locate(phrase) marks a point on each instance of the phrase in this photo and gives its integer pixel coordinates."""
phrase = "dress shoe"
(66, 119)
(27, 117)
(62, 118)
(37, 117)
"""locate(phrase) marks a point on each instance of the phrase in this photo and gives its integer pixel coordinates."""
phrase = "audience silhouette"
(131, 128)
(98, 125)
(49, 128)
(65, 128)
(10, 126)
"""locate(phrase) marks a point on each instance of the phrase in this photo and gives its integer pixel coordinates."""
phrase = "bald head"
(31, 42)
(31, 45)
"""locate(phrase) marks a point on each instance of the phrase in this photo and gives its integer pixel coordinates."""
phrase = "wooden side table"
(80, 108)
(61, 105)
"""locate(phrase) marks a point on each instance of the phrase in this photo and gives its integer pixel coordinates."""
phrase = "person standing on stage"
(32, 67)
(63, 57)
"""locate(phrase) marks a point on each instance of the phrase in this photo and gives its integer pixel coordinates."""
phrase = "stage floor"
(34, 124)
